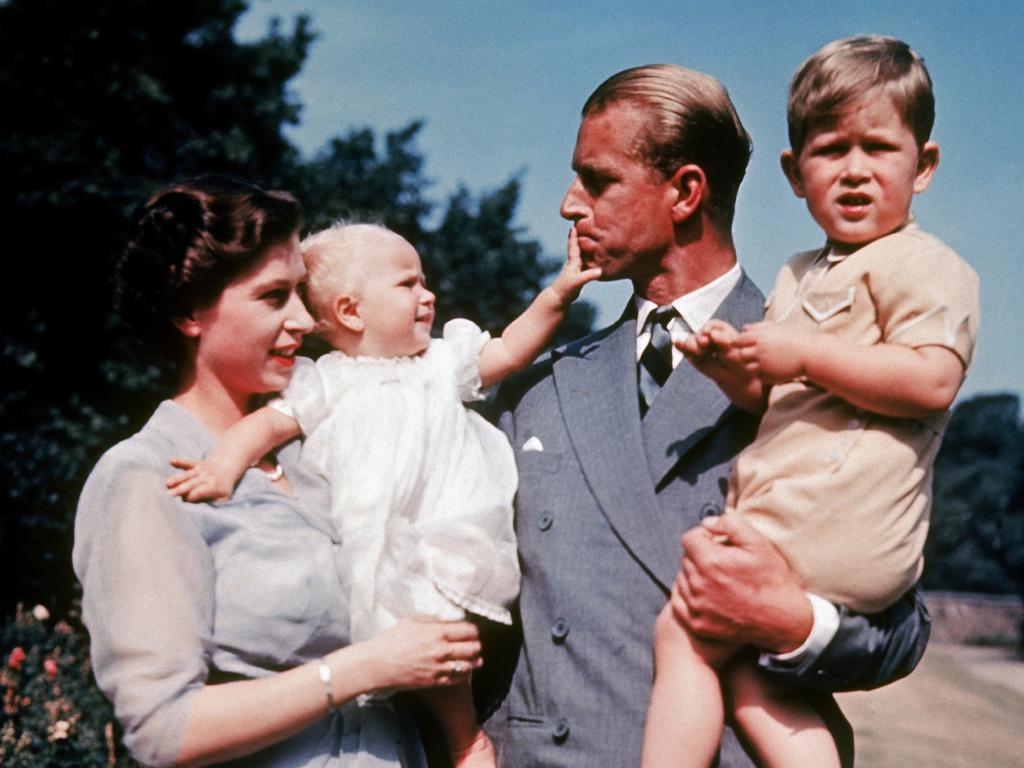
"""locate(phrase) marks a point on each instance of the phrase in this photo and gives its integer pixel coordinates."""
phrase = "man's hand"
(735, 586)
(573, 277)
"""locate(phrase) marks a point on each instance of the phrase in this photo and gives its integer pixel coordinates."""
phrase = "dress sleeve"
(147, 601)
(305, 398)
(927, 295)
(465, 339)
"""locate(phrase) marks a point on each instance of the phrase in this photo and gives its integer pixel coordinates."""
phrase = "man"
(617, 458)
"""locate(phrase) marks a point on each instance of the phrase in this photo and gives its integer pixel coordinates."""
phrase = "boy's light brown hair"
(847, 70)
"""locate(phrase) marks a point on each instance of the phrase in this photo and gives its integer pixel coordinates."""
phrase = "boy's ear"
(690, 188)
(188, 325)
(347, 314)
(927, 162)
(791, 168)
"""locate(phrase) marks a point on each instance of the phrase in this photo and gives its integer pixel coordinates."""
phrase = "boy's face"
(859, 174)
(395, 305)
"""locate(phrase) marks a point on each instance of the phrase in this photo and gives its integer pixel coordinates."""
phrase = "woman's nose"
(298, 320)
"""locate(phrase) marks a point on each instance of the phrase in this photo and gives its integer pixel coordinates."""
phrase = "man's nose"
(574, 202)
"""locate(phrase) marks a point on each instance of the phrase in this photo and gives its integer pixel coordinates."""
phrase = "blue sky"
(500, 86)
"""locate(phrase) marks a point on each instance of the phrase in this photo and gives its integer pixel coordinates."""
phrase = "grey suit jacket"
(599, 515)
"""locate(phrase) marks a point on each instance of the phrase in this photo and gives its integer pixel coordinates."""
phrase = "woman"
(219, 630)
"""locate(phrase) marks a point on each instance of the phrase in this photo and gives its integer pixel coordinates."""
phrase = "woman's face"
(246, 340)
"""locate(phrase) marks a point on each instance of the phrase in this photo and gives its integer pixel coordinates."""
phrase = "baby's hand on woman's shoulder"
(200, 481)
(573, 276)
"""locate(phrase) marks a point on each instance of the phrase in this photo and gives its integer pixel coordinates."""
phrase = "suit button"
(561, 730)
(559, 630)
(710, 510)
(545, 521)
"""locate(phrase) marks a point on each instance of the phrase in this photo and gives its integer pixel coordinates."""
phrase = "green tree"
(976, 541)
(105, 101)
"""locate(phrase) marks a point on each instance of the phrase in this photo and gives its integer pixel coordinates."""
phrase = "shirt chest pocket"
(825, 305)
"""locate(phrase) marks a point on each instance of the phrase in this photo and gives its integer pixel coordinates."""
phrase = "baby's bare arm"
(889, 379)
(239, 448)
(711, 350)
(527, 335)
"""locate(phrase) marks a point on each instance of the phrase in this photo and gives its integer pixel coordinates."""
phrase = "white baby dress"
(421, 487)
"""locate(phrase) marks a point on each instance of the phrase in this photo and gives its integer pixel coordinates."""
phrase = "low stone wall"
(967, 617)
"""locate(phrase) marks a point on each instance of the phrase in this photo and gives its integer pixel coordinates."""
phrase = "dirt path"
(963, 707)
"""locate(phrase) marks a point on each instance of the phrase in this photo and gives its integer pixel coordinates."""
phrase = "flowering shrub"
(53, 713)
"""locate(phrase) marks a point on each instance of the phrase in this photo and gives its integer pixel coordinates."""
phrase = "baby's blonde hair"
(335, 266)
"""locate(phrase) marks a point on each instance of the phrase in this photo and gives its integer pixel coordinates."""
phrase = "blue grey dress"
(174, 592)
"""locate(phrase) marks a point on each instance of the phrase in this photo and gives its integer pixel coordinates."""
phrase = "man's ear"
(347, 313)
(927, 162)
(189, 326)
(690, 188)
(791, 168)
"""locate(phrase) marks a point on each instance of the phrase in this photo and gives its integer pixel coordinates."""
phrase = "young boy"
(863, 350)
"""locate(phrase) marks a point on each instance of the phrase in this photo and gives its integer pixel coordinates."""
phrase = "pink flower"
(16, 658)
(50, 668)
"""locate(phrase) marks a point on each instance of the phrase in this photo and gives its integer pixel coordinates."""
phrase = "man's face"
(621, 206)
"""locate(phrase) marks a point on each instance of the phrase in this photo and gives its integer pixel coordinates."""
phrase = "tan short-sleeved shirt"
(845, 493)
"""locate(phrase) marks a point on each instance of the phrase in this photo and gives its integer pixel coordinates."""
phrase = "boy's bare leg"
(783, 730)
(684, 721)
(467, 743)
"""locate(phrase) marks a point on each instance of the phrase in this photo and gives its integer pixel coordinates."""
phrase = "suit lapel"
(690, 405)
(597, 391)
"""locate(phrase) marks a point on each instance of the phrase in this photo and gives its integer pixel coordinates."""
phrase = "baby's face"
(859, 174)
(396, 306)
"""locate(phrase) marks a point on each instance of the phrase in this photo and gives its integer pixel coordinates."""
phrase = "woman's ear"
(189, 326)
(690, 188)
(347, 313)
(791, 168)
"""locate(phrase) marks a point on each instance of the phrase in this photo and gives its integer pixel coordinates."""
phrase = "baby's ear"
(791, 168)
(347, 313)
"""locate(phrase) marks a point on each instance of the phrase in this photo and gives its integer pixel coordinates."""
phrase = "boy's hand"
(573, 277)
(712, 350)
(774, 353)
(200, 481)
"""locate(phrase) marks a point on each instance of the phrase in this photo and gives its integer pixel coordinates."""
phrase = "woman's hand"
(421, 652)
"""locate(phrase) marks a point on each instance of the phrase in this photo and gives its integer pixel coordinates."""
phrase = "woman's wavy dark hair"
(187, 243)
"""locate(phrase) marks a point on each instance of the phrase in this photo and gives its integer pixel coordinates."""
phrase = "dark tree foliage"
(103, 102)
(976, 541)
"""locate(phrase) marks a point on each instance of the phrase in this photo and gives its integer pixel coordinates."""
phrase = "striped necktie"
(656, 360)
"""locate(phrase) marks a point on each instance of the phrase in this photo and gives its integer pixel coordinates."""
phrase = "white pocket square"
(533, 444)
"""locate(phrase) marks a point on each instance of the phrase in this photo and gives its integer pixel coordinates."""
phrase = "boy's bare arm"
(241, 446)
(711, 350)
(889, 379)
(527, 335)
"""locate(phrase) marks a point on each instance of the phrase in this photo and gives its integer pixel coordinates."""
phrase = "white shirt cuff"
(824, 628)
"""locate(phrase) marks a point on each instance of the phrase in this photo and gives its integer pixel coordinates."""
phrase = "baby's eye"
(829, 150)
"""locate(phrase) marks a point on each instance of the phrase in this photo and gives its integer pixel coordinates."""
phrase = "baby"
(864, 347)
(421, 487)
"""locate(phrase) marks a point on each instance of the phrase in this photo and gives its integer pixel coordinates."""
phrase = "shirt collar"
(695, 307)
(834, 255)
